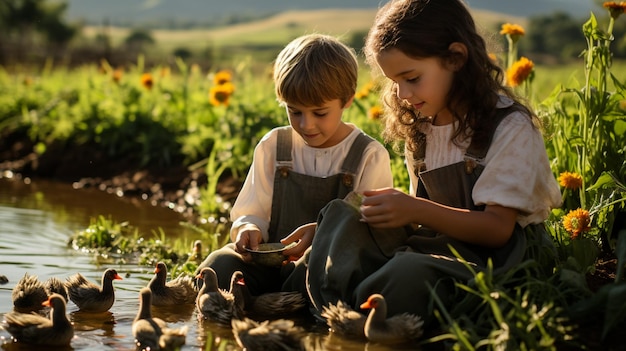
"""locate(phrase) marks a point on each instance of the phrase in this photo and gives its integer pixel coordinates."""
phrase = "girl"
(477, 163)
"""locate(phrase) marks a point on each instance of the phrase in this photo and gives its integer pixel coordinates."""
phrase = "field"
(276, 31)
(177, 115)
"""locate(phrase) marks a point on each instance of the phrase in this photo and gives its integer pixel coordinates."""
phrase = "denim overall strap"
(460, 179)
(298, 198)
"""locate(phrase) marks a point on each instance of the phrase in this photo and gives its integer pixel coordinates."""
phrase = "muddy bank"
(87, 166)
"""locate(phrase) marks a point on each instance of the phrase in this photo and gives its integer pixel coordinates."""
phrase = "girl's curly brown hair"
(424, 29)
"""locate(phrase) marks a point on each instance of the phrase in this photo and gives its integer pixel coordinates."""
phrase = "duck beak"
(117, 277)
(46, 303)
(366, 305)
(199, 276)
(240, 281)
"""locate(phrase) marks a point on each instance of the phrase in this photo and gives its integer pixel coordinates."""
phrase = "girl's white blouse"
(517, 172)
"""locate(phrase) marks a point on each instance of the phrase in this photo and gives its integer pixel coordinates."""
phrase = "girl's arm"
(390, 208)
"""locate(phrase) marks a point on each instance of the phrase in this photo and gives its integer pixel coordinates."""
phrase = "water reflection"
(36, 221)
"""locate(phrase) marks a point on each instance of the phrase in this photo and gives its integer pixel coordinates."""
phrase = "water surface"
(36, 221)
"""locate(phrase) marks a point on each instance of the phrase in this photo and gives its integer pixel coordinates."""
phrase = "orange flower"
(514, 31)
(222, 77)
(519, 71)
(375, 112)
(365, 91)
(146, 80)
(577, 222)
(615, 9)
(571, 180)
(220, 94)
(117, 75)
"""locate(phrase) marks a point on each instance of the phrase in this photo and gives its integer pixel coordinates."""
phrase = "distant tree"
(182, 53)
(137, 41)
(557, 35)
(29, 26)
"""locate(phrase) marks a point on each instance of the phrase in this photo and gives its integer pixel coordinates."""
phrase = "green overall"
(296, 200)
(349, 260)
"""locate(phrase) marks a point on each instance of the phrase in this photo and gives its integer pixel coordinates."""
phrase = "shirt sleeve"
(254, 201)
(375, 168)
(517, 173)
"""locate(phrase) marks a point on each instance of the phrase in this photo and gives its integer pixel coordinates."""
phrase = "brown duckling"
(344, 321)
(88, 296)
(401, 328)
(213, 303)
(277, 335)
(268, 305)
(179, 291)
(28, 294)
(151, 332)
(32, 328)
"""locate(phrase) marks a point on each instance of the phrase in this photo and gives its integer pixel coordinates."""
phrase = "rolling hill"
(138, 11)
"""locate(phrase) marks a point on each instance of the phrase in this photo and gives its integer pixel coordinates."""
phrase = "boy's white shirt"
(517, 171)
(254, 202)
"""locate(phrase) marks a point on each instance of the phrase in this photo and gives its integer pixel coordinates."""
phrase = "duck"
(179, 291)
(55, 285)
(88, 296)
(28, 294)
(399, 329)
(153, 333)
(276, 335)
(268, 305)
(344, 321)
(31, 328)
(196, 256)
(213, 303)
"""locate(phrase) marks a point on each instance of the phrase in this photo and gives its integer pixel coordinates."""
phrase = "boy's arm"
(254, 201)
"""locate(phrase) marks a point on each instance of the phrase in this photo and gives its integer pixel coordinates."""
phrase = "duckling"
(179, 291)
(88, 296)
(401, 328)
(277, 335)
(153, 333)
(28, 294)
(55, 285)
(344, 321)
(213, 303)
(268, 305)
(31, 328)
(196, 253)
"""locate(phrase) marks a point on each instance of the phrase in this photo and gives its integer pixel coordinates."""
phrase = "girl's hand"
(303, 235)
(249, 236)
(388, 208)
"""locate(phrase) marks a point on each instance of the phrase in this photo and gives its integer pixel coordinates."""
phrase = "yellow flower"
(117, 75)
(577, 222)
(571, 180)
(615, 9)
(514, 31)
(365, 91)
(519, 71)
(146, 80)
(220, 94)
(222, 77)
(375, 112)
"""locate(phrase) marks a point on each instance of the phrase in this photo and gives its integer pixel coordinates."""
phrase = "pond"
(36, 220)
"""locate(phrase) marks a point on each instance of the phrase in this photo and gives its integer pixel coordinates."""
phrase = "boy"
(298, 169)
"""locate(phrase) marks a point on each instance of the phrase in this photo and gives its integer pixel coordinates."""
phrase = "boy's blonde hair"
(313, 69)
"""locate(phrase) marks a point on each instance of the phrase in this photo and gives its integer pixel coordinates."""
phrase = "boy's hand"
(303, 235)
(250, 237)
